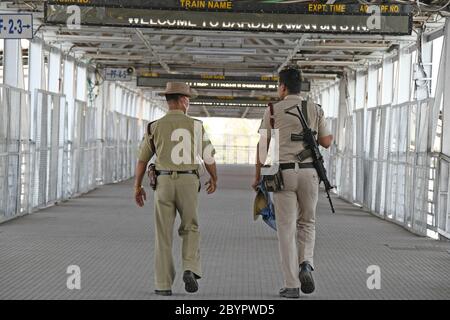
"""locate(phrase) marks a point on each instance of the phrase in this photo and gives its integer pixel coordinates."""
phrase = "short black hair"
(292, 78)
(174, 97)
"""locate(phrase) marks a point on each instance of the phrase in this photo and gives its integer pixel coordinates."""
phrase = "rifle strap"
(305, 110)
(307, 152)
(272, 119)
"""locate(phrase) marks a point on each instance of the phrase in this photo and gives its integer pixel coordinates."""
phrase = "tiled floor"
(111, 240)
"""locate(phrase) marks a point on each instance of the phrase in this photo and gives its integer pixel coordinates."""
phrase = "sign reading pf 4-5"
(16, 26)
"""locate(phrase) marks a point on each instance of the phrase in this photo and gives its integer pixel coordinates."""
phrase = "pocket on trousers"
(289, 179)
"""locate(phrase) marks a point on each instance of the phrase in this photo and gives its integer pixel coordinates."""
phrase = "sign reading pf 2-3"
(16, 26)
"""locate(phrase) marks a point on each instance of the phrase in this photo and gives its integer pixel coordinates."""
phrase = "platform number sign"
(16, 26)
(117, 74)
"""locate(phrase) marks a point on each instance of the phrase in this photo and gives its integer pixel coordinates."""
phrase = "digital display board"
(230, 101)
(242, 15)
(215, 82)
(260, 100)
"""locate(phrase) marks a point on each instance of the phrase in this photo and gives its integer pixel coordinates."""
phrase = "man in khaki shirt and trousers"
(177, 140)
(295, 205)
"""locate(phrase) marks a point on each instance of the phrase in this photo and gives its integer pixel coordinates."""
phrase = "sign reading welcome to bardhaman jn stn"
(242, 15)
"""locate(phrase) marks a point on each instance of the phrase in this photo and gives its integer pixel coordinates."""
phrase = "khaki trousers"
(295, 211)
(178, 192)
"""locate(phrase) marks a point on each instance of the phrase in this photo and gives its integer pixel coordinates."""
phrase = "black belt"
(286, 166)
(169, 173)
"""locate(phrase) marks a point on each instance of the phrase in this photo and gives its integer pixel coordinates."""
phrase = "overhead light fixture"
(212, 58)
(319, 75)
(115, 57)
(328, 63)
(82, 38)
(220, 51)
(221, 41)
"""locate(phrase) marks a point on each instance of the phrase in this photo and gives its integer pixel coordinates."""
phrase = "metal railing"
(235, 148)
(43, 162)
(384, 162)
(441, 198)
(386, 166)
(16, 153)
(48, 139)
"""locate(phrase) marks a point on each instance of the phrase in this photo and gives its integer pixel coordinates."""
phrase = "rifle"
(312, 148)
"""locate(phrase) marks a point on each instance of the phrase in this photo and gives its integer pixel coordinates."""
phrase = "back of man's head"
(291, 77)
(174, 98)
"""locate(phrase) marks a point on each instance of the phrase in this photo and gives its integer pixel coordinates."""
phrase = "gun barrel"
(331, 202)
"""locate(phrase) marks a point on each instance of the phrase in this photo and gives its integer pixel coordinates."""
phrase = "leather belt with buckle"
(169, 173)
(286, 166)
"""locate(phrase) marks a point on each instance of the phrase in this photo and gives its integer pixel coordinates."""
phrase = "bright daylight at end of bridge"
(226, 157)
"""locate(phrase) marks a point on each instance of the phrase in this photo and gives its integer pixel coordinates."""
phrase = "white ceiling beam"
(116, 57)
(237, 34)
(328, 63)
(215, 34)
(293, 52)
(244, 114)
(338, 56)
(215, 65)
(265, 46)
(87, 39)
(152, 52)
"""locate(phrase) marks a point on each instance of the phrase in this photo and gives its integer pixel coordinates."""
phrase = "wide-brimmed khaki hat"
(179, 88)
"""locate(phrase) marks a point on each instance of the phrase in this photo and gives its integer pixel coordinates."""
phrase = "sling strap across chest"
(272, 117)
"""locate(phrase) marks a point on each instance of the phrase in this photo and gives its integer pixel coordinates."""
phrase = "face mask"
(186, 103)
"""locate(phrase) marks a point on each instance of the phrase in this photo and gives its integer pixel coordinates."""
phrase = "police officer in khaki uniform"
(295, 205)
(178, 141)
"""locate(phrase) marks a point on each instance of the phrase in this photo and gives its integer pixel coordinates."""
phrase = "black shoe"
(306, 278)
(292, 293)
(163, 292)
(190, 281)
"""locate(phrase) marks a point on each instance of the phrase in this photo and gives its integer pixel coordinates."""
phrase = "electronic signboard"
(262, 16)
(264, 83)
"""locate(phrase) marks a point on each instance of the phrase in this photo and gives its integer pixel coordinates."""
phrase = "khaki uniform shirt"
(288, 124)
(179, 141)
